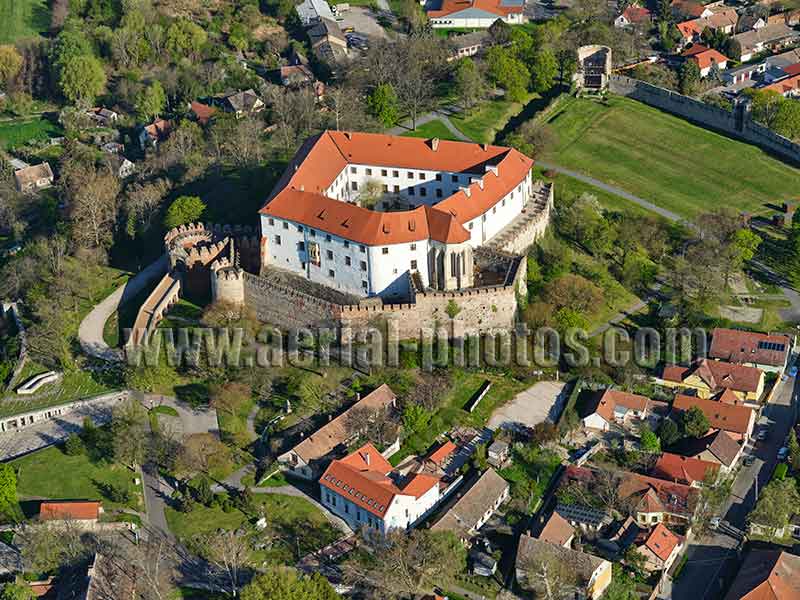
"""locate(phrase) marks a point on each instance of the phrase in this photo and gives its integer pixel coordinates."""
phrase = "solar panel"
(771, 346)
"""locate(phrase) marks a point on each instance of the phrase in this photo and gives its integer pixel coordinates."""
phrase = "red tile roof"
(363, 477)
(442, 452)
(557, 530)
(299, 195)
(662, 541)
(767, 574)
(610, 399)
(734, 419)
(681, 469)
(203, 112)
(704, 57)
(792, 69)
(496, 7)
(743, 346)
(688, 8)
(783, 87)
(77, 510)
(636, 14)
(690, 29)
(717, 375)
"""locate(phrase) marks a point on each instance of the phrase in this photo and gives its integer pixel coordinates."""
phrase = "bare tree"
(151, 559)
(549, 577)
(230, 552)
(376, 424)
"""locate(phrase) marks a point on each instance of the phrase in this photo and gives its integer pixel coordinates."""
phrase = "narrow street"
(714, 559)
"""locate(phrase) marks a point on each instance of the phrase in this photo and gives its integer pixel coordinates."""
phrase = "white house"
(361, 212)
(475, 14)
(365, 492)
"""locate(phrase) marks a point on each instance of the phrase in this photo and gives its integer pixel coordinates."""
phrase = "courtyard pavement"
(541, 402)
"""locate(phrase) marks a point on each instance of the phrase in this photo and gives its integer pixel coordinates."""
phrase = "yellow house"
(711, 377)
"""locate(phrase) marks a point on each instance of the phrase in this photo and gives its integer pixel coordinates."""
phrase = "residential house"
(750, 22)
(593, 573)
(767, 573)
(312, 11)
(710, 377)
(632, 16)
(689, 9)
(497, 454)
(660, 548)
(121, 165)
(475, 506)
(736, 420)
(621, 408)
(102, 116)
(745, 75)
(768, 352)
(309, 458)
(365, 492)
(706, 59)
(719, 448)
(789, 87)
(296, 75)
(787, 17)
(468, 44)
(557, 530)
(772, 38)
(474, 14)
(110, 577)
(327, 41)
(649, 500)
(441, 455)
(203, 113)
(589, 520)
(80, 512)
(153, 134)
(684, 469)
(242, 103)
(721, 19)
(30, 180)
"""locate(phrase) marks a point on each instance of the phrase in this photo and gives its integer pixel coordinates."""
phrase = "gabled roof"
(439, 455)
(464, 515)
(636, 14)
(767, 574)
(734, 419)
(79, 510)
(690, 28)
(609, 399)
(724, 447)
(688, 8)
(771, 33)
(203, 112)
(557, 530)
(30, 175)
(501, 8)
(682, 469)
(337, 431)
(582, 564)
(717, 375)
(704, 57)
(738, 346)
(662, 541)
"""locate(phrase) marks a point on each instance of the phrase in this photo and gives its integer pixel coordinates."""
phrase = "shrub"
(74, 445)
(780, 471)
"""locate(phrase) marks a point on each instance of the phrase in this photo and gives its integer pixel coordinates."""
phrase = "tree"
(547, 575)
(776, 505)
(794, 450)
(17, 590)
(47, 547)
(765, 105)
(650, 441)
(508, 72)
(8, 491)
(470, 85)
(694, 422)
(689, 77)
(230, 397)
(284, 583)
(202, 453)
(230, 552)
(544, 70)
(573, 292)
(151, 102)
(384, 105)
(92, 193)
(82, 79)
(668, 433)
(129, 426)
(185, 209)
(10, 64)
(184, 39)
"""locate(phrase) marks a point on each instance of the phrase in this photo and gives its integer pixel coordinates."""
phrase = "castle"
(368, 225)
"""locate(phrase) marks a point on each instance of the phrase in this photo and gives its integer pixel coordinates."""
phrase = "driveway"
(541, 402)
(363, 20)
(192, 420)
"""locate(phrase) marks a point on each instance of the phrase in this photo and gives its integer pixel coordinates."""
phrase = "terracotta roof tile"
(636, 14)
(497, 7)
(737, 346)
(557, 530)
(439, 455)
(767, 574)
(717, 375)
(77, 510)
(681, 469)
(662, 541)
(735, 419)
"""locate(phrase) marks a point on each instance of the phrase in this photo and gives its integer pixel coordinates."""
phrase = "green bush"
(780, 471)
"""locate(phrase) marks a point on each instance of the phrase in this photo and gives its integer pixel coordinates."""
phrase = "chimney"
(348, 135)
(358, 396)
(485, 147)
(366, 458)
(435, 144)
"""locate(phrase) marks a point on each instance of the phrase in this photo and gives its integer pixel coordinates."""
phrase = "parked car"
(748, 460)
(762, 435)
(792, 371)
(783, 453)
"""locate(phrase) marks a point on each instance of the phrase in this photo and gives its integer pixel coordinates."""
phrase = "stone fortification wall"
(737, 123)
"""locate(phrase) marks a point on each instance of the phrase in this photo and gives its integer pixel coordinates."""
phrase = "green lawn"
(17, 133)
(482, 123)
(432, 129)
(50, 473)
(21, 19)
(664, 159)
(297, 525)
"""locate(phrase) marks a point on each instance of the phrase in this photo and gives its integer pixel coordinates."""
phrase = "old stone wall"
(737, 123)
(285, 307)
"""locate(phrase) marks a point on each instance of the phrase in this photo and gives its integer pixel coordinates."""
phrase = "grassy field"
(16, 133)
(664, 159)
(432, 129)
(483, 122)
(50, 473)
(21, 19)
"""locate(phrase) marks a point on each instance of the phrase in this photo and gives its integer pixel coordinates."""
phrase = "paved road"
(90, 332)
(157, 494)
(713, 560)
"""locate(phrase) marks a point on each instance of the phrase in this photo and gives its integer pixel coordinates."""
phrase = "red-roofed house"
(202, 112)
(682, 469)
(660, 548)
(789, 87)
(616, 406)
(767, 574)
(760, 350)
(476, 14)
(710, 377)
(737, 421)
(442, 453)
(364, 491)
(82, 511)
(706, 58)
(633, 15)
